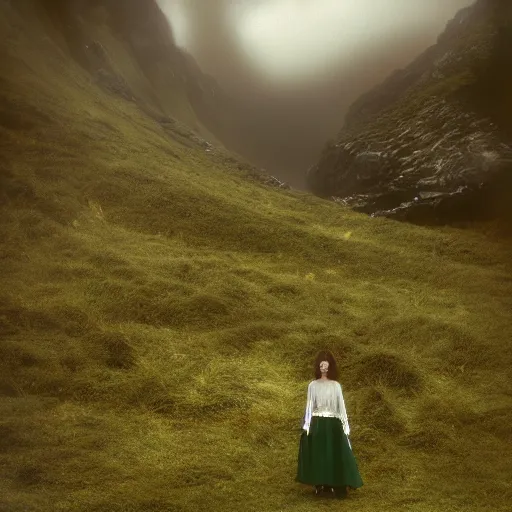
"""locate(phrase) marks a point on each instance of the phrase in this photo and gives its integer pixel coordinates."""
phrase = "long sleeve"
(343, 412)
(309, 408)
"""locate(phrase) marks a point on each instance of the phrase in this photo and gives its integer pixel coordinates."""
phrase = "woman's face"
(324, 366)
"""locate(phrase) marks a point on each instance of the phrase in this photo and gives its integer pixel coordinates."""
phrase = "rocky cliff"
(431, 144)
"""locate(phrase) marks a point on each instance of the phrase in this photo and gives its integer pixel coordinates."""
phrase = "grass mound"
(243, 338)
(389, 370)
(116, 349)
(380, 413)
(160, 311)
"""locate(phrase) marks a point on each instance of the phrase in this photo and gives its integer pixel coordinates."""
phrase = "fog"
(297, 65)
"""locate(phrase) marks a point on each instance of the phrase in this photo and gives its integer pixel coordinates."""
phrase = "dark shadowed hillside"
(128, 49)
(433, 142)
(160, 306)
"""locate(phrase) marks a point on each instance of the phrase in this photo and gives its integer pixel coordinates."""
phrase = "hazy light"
(177, 15)
(290, 39)
(293, 38)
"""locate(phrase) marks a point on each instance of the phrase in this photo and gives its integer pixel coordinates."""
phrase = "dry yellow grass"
(159, 311)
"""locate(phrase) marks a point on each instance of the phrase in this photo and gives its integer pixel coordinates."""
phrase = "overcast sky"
(286, 40)
(297, 65)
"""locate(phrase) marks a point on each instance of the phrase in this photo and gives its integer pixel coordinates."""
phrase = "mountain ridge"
(148, 67)
(431, 144)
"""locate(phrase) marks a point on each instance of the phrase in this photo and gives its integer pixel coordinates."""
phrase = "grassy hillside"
(159, 310)
(127, 51)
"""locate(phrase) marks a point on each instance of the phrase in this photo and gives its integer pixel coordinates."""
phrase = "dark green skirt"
(325, 457)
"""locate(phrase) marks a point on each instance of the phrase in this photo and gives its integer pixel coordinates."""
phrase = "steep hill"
(126, 49)
(160, 307)
(433, 143)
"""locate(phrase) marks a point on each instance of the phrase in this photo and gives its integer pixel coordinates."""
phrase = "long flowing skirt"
(325, 456)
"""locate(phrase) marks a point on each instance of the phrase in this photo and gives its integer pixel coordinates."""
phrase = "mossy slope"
(159, 309)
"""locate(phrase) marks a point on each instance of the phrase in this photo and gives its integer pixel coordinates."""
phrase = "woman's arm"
(309, 408)
(343, 411)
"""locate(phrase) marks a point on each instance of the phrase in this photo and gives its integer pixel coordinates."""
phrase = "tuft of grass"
(381, 415)
(243, 338)
(389, 370)
(160, 309)
(115, 349)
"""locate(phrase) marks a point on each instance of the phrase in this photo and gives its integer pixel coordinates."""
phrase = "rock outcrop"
(431, 144)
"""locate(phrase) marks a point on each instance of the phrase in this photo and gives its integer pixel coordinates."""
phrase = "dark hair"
(332, 372)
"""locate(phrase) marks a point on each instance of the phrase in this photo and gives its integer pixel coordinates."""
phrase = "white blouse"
(325, 398)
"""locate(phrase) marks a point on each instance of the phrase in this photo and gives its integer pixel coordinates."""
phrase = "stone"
(436, 141)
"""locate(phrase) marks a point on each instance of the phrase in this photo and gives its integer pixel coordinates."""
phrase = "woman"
(325, 455)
